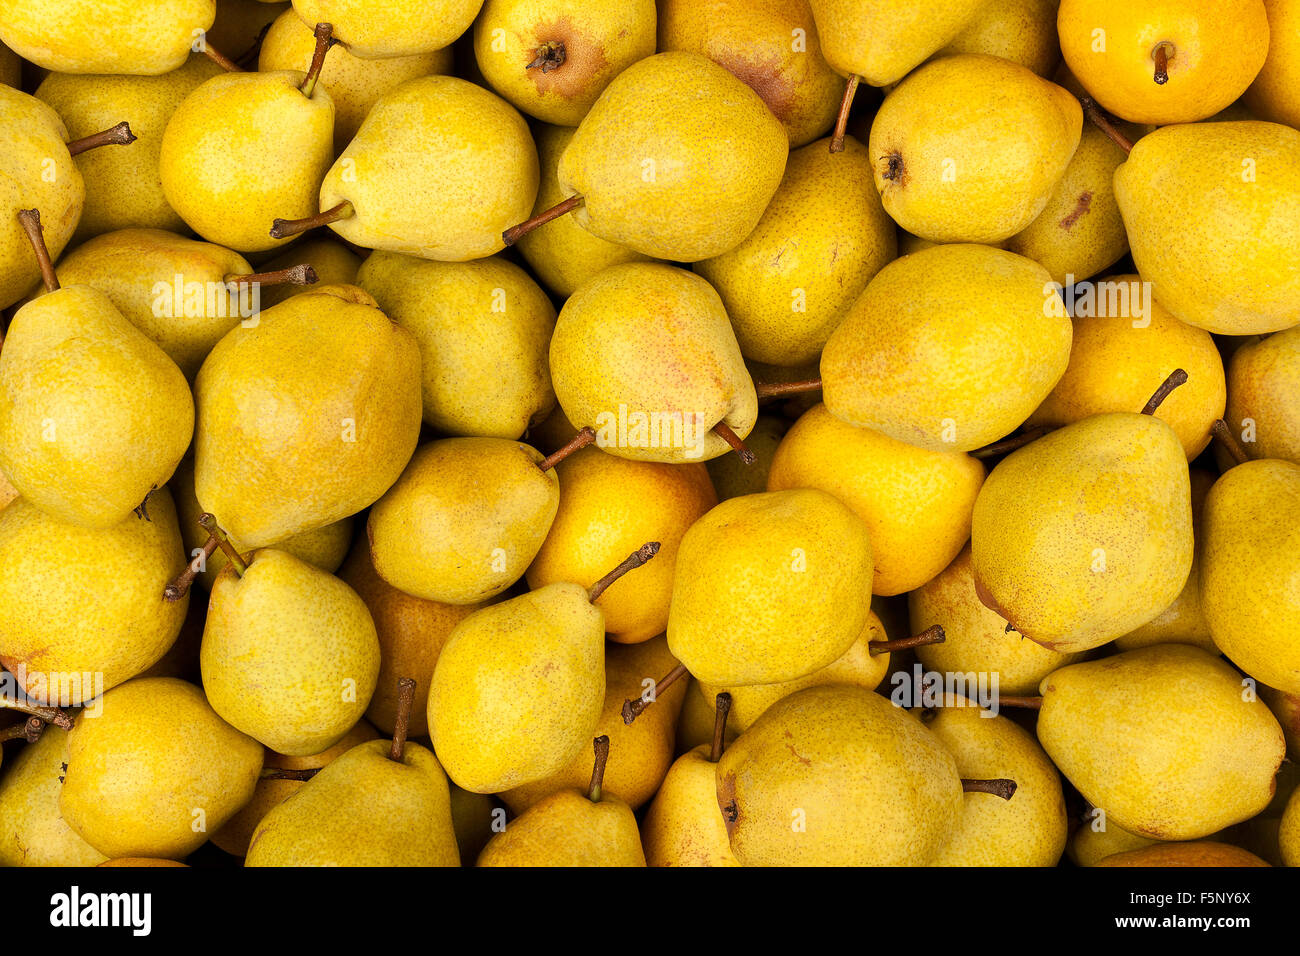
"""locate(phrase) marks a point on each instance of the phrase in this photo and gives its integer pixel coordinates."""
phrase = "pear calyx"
(550, 56)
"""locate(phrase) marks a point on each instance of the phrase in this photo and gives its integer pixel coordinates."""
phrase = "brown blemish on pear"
(1080, 209)
(583, 59)
(764, 78)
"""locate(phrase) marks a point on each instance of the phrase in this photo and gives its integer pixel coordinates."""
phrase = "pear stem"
(284, 228)
(601, 747)
(1228, 440)
(1176, 377)
(1000, 787)
(405, 698)
(632, 708)
(1103, 123)
(119, 135)
(181, 586)
(275, 773)
(842, 120)
(1011, 444)
(51, 715)
(29, 730)
(515, 233)
(219, 58)
(324, 40)
(731, 438)
(30, 220)
(778, 389)
(1028, 703)
(931, 635)
(1162, 54)
(723, 704)
(549, 56)
(634, 560)
(236, 560)
(584, 438)
(294, 275)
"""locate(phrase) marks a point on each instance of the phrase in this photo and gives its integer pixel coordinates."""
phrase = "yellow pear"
(1286, 708)
(1022, 31)
(1099, 838)
(1263, 380)
(400, 28)
(696, 723)
(475, 817)
(1275, 94)
(1201, 854)
(34, 833)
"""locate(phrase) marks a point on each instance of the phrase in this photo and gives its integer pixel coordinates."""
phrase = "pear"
(475, 818)
(437, 170)
(1052, 554)
(571, 828)
(105, 36)
(981, 166)
(644, 353)
(332, 261)
(321, 393)
(1263, 380)
(695, 724)
(976, 640)
(676, 160)
(753, 39)
(79, 605)
(564, 255)
(1098, 838)
(821, 240)
(1272, 95)
(732, 477)
(838, 776)
(1163, 739)
(155, 771)
(355, 84)
(483, 328)
(1250, 570)
(290, 654)
(400, 28)
(1240, 183)
(1165, 62)
(552, 59)
(1022, 31)
(1286, 708)
(915, 503)
(464, 520)
(34, 833)
(1289, 833)
(949, 348)
(743, 570)
(124, 186)
(608, 506)
(1203, 853)
(519, 686)
(1119, 356)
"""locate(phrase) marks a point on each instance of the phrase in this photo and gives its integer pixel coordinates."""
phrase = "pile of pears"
(556, 433)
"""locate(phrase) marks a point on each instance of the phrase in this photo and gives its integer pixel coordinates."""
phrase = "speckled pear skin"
(654, 339)
(684, 826)
(518, 689)
(260, 393)
(439, 169)
(104, 36)
(123, 184)
(1275, 93)
(1052, 553)
(1163, 738)
(744, 568)
(72, 623)
(363, 809)
(142, 771)
(290, 654)
(869, 784)
(969, 148)
(568, 829)
(1263, 380)
(34, 833)
(401, 28)
(1022, 31)
(93, 415)
(230, 180)
(677, 159)
(882, 41)
(464, 520)
(34, 135)
(1238, 271)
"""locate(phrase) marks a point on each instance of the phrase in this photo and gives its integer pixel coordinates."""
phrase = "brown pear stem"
(581, 440)
(1162, 54)
(324, 40)
(119, 135)
(999, 788)
(405, 698)
(549, 56)
(294, 275)
(181, 586)
(731, 438)
(284, 228)
(209, 523)
(1028, 703)
(219, 58)
(30, 220)
(1103, 123)
(1176, 377)
(931, 635)
(51, 715)
(632, 708)
(29, 730)
(275, 773)
(723, 704)
(1012, 443)
(842, 120)
(778, 389)
(1228, 440)
(634, 560)
(601, 747)
(515, 233)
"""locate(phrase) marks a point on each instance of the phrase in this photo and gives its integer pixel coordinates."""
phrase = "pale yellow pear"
(398, 28)
(1022, 31)
(1275, 93)
(1263, 380)
(34, 833)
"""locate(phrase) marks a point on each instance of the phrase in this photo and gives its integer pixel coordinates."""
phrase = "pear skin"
(406, 28)
(1022, 31)
(34, 833)
(882, 42)
(1263, 380)
(569, 829)
(1275, 93)
(1203, 853)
